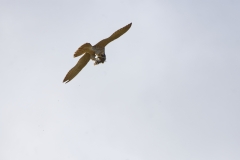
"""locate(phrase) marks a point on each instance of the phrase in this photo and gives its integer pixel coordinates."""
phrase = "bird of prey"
(96, 53)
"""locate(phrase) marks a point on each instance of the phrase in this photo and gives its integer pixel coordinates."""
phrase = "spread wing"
(114, 36)
(77, 68)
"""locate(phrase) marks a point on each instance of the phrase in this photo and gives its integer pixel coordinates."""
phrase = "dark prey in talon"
(95, 53)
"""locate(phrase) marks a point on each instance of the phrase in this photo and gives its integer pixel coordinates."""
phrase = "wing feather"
(114, 36)
(77, 68)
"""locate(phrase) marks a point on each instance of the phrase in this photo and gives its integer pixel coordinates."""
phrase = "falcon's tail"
(84, 48)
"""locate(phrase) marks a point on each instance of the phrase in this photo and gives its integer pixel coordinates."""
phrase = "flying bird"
(95, 53)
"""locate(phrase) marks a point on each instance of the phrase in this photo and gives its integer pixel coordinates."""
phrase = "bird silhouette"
(96, 53)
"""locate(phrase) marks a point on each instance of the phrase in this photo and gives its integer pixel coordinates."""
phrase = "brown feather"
(114, 36)
(77, 68)
(83, 49)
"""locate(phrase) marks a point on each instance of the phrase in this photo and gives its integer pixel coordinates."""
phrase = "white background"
(169, 89)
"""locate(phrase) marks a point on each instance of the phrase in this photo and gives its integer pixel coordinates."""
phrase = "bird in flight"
(95, 53)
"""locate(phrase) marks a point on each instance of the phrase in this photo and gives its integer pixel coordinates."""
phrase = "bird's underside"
(95, 53)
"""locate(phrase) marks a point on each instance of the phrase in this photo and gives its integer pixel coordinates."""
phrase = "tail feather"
(83, 49)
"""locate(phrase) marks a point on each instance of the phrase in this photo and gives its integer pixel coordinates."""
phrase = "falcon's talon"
(96, 53)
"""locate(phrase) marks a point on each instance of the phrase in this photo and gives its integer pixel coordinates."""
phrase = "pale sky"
(169, 90)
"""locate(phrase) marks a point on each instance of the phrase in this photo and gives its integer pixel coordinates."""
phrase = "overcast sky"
(169, 90)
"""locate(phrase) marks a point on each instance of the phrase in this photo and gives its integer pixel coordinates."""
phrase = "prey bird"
(95, 53)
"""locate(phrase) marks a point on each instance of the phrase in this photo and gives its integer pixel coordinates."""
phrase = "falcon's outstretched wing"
(77, 68)
(114, 36)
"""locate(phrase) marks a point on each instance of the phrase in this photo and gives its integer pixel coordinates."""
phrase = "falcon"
(95, 53)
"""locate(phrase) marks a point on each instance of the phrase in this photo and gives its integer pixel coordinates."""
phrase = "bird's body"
(100, 53)
(95, 53)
